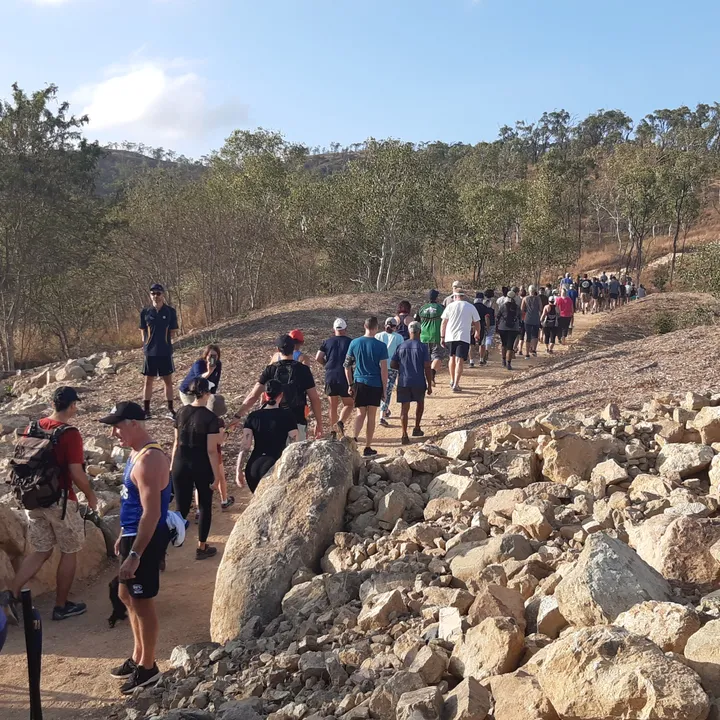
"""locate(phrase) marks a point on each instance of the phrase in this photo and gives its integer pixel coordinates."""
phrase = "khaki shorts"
(46, 529)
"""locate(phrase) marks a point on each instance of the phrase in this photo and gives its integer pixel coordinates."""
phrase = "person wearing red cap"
(298, 355)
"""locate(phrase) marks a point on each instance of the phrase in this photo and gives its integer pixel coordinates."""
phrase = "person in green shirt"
(430, 315)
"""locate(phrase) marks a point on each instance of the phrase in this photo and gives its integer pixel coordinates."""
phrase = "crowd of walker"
(404, 355)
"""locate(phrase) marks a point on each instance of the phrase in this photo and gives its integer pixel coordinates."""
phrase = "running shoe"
(141, 678)
(527, 357)
(472, 363)
(417, 432)
(405, 440)
(504, 363)
(71, 609)
(230, 501)
(369, 452)
(333, 435)
(171, 415)
(384, 422)
(148, 414)
(509, 366)
(125, 670)
(341, 428)
(10, 603)
(208, 552)
(456, 388)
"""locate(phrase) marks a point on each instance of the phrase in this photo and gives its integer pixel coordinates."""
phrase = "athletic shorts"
(489, 336)
(613, 296)
(146, 583)
(47, 529)
(336, 389)
(367, 395)
(160, 366)
(459, 349)
(508, 338)
(584, 297)
(411, 394)
(482, 338)
(436, 350)
(532, 332)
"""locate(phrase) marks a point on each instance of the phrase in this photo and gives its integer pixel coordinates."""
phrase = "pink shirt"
(564, 306)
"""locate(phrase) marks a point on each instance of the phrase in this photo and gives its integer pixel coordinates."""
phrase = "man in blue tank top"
(144, 536)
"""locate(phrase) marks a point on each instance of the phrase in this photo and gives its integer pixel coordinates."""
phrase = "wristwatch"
(134, 554)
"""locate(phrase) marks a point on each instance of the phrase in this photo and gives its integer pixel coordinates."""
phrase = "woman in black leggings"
(268, 429)
(195, 460)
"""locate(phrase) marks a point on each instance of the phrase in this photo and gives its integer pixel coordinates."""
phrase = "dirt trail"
(79, 652)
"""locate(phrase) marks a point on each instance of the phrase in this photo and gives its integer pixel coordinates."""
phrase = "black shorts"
(508, 338)
(483, 335)
(411, 394)
(336, 389)
(146, 583)
(256, 469)
(158, 366)
(613, 296)
(459, 349)
(367, 395)
(532, 332)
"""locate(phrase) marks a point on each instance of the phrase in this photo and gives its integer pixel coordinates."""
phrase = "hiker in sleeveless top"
(532, 309)
(298, 355)
(403, 319)
(549, 320)
(144, 537)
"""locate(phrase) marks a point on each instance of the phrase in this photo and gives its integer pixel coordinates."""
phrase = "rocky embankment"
(561, 568)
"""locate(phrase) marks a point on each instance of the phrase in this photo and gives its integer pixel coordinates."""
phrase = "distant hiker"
(566, 282)
(158, 325)
(549, 320)
(50, 446)
(596, 290)
(143, 540)
(332, 356)
(477, 347)
(196, 461)
(208, 366)
(451, 297)
(508, 324)
(403, 319)
(532, 308)
(430, 320)
(366, 370)
(586, 286)
(392, 340)
(266, 431)
(298, 338)
(613, 291)
(412, 363)
(489, 303)
(298, 387)
(641, 291)
(459, 320)
(504, 290)
(565, 307)
(216, 404)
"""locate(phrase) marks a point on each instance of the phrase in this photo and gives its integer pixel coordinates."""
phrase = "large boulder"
(13, 528)
(459, 444)
(707, 421)
(569, 454)
(468, 560)
(608, 578)
(288, 525)
(609, 673)
(667, 624)
(678, 547)
(702, 652)
(519, 467)
(458, 487)
(518, 696)
(683, 459)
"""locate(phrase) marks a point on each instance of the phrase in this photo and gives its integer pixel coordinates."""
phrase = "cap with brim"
(157, 287)
(124, 411)
(511, 294)
(65, 395)
(391, 321)
(458, 291)
(551, 299)
(340, 324)
(414, 327)
(456, 284)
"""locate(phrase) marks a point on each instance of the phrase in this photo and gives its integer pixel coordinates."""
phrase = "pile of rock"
(561, 568)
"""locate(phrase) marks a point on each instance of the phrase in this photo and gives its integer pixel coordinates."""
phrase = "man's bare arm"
(151, 474)
(81, 481)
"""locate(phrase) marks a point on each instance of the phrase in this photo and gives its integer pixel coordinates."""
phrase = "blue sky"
(183, 74)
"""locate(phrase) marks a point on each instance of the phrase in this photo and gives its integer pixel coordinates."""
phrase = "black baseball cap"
(285, 344)
(124, 411)
(157, 287)
(65, 395)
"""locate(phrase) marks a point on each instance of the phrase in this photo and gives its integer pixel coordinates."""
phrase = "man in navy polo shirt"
(158, 325)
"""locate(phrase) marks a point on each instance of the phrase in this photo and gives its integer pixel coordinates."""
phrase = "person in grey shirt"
(532, 307)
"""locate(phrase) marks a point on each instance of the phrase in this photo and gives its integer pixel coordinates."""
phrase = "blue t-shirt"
(412, 356)
(198, 368)
(157, 326)
(335, 349)
(368, 354)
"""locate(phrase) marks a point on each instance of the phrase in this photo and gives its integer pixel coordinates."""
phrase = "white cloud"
(155, 102)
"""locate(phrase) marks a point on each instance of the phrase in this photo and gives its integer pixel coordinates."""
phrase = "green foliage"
(700, 270)
(665, 323)
(661, 277)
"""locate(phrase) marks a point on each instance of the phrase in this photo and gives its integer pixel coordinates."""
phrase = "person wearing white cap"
(451, 297)
(459, 320)
(392, 339)
(332, 356)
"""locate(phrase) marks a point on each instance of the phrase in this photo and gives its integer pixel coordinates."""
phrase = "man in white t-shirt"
(459, 320)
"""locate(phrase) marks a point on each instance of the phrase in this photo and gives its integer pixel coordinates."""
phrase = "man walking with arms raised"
(144, 536)
(459, 320)
(366, 369)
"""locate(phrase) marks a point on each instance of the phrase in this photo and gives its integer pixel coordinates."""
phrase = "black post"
(33, 645)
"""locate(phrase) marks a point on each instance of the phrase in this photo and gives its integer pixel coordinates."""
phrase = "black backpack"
(34, 471)
(511, 313)
(293, 397)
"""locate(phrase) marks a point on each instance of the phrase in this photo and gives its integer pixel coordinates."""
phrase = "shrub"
(664, 323)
